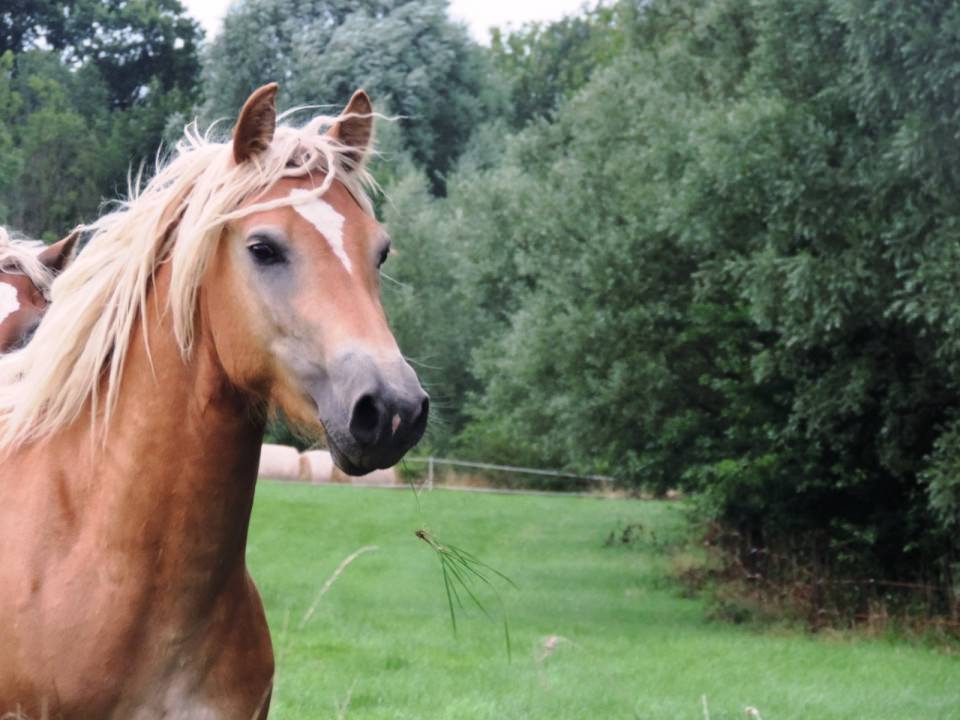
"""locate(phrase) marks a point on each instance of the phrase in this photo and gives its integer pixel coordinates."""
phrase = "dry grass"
(331, 580)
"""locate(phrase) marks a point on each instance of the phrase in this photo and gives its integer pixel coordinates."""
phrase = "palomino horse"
(26, 271)
(243, 276)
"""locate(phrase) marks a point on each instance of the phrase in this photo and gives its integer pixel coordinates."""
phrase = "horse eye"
(383, 256)
(265, 253)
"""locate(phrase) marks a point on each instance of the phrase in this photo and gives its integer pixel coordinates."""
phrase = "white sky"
(479, 15)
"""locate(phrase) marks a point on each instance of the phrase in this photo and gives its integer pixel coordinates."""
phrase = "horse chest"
(102, 646)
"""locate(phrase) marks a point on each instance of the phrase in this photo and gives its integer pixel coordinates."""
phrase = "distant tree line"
(701, 244)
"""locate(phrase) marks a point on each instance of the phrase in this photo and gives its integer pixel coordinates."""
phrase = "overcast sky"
(480, 15)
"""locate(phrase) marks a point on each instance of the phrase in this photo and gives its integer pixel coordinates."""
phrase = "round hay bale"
(279, 462)
(380, 477)
(317, 466)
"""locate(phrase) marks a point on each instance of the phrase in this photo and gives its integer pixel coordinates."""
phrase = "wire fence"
(431, 462)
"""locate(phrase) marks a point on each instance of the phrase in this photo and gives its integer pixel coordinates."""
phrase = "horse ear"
(355, 127)
(57, 256)
(256, 123)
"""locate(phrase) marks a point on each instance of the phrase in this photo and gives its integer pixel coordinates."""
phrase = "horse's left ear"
(355, 127)
(58, 256)
(256, 124)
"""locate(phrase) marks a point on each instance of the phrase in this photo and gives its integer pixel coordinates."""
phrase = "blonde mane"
(79, 349)
(20, 257)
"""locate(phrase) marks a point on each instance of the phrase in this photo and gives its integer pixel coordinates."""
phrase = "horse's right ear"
(256, 123)
(61, 253)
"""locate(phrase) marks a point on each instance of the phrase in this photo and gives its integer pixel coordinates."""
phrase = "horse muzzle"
(373, 413)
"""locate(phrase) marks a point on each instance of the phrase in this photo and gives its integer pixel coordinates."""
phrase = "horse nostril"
(365, 420)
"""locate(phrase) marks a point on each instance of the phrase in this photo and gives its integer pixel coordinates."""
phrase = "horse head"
(25, 277)
(264, 254)
(293, 294)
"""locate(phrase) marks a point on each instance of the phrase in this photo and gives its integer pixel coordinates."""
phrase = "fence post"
(430, 473)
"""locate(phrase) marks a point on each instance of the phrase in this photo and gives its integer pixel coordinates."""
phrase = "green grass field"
(380, 643)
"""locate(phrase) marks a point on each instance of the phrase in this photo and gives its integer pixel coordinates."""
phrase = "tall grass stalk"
(332, 579)
(462, 571)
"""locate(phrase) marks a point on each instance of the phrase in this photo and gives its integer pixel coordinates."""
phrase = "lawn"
(380, 643)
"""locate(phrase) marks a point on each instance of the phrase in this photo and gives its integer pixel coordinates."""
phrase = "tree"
(26, 23)
(408, 55)
(9, 153)
(86, 88)
(546, 63)
(64, 154)
(134, 45)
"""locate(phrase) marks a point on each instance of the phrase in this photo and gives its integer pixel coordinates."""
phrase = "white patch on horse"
(9, 303)
(325, 219)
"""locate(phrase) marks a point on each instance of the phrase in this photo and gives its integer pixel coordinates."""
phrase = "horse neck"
(176, 476)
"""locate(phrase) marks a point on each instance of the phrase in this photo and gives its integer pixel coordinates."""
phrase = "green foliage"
(407, 54)
(546, 63)
(133, 45)
(86, 89)
(61, 165)
(942, 478)
(10, 158)
(726, 261)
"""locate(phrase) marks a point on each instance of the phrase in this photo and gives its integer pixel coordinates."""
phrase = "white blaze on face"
(9, 303)
(325, 219)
